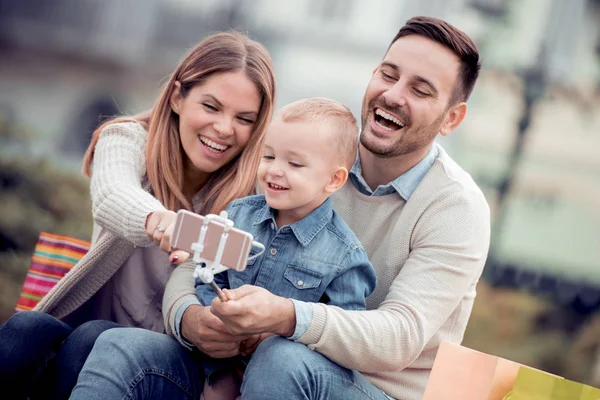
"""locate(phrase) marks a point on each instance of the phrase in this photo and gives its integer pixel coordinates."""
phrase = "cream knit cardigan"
(120, 204)
(428, 252)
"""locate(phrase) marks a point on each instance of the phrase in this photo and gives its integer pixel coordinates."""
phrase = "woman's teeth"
(218, 148)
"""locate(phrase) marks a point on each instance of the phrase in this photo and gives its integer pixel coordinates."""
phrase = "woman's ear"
(176, 98)
(339, 176)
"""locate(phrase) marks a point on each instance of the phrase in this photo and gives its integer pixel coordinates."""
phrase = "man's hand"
(253, 310)
(208, 333)
(249, 345)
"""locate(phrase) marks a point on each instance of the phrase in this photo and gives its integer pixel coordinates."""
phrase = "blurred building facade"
(67, 62)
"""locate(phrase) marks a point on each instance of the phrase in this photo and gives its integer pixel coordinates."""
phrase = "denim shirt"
(317, 259)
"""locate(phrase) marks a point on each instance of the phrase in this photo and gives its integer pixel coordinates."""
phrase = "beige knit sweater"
(120, 204)
(428, 252)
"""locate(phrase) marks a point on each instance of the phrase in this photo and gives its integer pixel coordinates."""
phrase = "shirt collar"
(308, 227)
(404, 185)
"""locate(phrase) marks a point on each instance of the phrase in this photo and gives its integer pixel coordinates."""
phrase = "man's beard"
(412, 137)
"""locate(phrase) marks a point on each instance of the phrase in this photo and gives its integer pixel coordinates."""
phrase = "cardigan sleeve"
(449, 248)
(179, 292)
(119, 202)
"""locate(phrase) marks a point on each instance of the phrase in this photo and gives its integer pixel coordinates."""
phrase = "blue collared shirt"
(405, 184)
(317, 259)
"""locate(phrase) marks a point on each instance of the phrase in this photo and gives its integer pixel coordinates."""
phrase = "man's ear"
(339, 176)
(176, 98)
(455, 116)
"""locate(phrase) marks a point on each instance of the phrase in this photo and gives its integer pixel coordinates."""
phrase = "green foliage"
(507, 323)
(36, 195)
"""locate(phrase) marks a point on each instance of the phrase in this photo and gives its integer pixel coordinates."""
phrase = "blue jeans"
(134, 363)
(41, 357)
(282, 369)
(137, 364)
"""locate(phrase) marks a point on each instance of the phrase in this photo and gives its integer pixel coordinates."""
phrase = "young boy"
(311, 254)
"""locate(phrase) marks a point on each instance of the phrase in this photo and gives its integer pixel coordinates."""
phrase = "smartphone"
(187, 232)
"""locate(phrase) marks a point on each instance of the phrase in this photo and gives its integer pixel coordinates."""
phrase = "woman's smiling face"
(216, 119)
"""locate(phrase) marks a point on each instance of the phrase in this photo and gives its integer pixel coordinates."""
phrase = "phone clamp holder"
(206, 269)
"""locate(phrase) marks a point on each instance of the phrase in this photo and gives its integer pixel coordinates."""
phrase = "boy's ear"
(175, 99)
(339, 176)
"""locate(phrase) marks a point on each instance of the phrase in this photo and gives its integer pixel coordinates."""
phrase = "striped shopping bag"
(54, 256)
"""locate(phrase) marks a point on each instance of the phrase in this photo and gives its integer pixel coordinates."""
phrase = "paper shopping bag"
(589, 393)
(537, 385)
(532, 385)
(460, 373)
(53, 257)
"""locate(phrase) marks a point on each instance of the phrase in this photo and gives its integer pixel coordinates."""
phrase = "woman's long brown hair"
(221, 52)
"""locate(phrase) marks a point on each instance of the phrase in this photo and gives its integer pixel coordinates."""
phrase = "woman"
(198, 149)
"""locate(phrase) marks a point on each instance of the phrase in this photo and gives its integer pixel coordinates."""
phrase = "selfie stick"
(206, 269)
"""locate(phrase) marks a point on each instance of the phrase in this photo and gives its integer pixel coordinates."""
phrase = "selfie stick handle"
(206, 274)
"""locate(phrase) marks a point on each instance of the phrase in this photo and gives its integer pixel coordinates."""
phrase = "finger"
(218, 332)
(156, 236)
(223, 354)
(209, 346)
(178, 257)
(228, 294)
(250, 342)
(151, 223)
(165, 240)
(223, 337)
(242, 291)
(230, 308)
(248, 350)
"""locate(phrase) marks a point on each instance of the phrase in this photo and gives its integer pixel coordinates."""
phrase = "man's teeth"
(213, 145)
(389, 117)
(382, 126)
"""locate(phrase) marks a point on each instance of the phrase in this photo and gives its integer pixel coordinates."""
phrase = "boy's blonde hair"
(320, 110)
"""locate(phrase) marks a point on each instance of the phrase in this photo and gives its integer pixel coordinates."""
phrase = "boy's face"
(297, 166)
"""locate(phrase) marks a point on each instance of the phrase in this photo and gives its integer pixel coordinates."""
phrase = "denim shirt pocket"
(303, 284)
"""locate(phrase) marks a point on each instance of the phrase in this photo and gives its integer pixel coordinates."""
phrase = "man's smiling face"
(407, 100)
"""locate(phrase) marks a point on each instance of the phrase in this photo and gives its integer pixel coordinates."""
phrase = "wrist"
(189, 319)
(287, 321)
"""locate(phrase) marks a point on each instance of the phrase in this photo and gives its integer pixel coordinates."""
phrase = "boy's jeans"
(133, 363)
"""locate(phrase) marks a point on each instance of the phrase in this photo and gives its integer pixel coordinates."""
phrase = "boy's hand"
(249, 345)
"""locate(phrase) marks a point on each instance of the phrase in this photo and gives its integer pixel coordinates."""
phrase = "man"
(425, 226)
(423, 222)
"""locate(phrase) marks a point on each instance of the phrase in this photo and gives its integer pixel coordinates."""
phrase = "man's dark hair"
(454, 39)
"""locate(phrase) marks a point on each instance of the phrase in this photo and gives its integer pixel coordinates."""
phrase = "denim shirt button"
(272, 226)
(300, 283)
(273, 251)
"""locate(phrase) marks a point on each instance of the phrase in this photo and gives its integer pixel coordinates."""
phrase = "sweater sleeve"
(119, 202)
(179, 291)
(448, 250)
